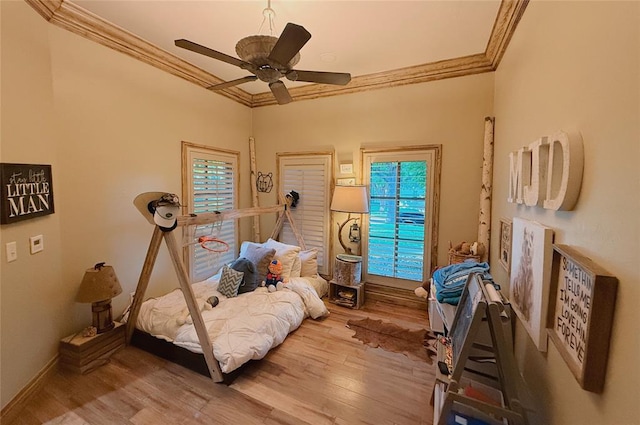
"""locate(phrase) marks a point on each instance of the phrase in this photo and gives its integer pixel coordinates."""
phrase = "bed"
(240, 327)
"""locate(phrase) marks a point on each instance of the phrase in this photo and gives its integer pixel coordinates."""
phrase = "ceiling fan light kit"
(269, 59)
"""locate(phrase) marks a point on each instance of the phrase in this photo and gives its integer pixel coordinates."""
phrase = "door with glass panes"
(397, 239)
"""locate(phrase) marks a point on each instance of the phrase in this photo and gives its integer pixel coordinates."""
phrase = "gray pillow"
(229, 282)
(260, 256)
(250, 278)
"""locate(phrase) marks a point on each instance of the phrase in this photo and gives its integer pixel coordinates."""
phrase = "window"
(209, 185)
(398, 238)
(309, 175)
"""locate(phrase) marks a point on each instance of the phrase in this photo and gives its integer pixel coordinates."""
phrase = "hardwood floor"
(319, 375)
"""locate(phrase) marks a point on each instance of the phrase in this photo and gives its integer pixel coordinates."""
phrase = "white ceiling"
(362, 37)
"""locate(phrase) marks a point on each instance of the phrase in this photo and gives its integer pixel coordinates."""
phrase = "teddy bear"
(423, 291)
(274, 281)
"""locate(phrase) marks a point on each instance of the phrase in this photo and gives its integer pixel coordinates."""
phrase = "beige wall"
(574, 66)
(31, 296)
(111, 128)
(448, 112)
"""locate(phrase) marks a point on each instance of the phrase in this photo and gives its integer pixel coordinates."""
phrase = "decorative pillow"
(250, 278)
(286, 254)
(229, 282)
(309, 259)
(258, 255)
(296, 268)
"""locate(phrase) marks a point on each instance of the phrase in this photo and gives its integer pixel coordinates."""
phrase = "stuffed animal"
(274, 280)
(422, 291)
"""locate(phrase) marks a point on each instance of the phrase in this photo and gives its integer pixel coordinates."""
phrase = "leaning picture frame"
(505, 243)
(530, 277)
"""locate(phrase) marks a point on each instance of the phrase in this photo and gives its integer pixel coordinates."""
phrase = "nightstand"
(346, 295)
(83, 354)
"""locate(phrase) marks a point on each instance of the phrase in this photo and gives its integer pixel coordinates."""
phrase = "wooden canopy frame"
(183, 277)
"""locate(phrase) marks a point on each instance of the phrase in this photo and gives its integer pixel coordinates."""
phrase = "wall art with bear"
(532, 252)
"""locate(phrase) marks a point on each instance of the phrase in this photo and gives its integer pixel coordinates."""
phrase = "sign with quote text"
(583, 299)
(27, 192)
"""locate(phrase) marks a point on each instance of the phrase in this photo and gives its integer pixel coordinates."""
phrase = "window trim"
(433, 213)
(327, 268)
(186, 148)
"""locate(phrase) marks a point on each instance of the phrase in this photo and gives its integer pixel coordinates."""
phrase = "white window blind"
(309, 176)
(211, 186)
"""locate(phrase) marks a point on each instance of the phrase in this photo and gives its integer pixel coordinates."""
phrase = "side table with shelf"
(346, 295)
(83, 354)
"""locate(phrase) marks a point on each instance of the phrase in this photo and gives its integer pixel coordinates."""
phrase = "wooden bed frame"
(212, 365)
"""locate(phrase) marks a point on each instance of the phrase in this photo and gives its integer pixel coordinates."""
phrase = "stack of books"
(346, 296)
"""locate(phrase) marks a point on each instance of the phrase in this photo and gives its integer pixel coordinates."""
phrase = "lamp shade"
(99, 283)
(350, 199)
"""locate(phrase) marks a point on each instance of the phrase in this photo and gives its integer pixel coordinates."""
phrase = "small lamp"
(349, 199)
(98, 286)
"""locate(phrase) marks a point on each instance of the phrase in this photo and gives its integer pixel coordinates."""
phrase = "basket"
(456, 257)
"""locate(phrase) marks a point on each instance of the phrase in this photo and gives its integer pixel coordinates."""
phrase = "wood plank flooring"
(319, 375)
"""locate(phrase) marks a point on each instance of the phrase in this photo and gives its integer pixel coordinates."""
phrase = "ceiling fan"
(269, 59)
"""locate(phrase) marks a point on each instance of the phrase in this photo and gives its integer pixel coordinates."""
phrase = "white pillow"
(296, 268)
(286, 254)
(309, 260)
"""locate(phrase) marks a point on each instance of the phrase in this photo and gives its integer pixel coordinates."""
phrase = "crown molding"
(78, 20)
(74, 18)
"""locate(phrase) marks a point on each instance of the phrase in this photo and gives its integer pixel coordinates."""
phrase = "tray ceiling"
(381, 43)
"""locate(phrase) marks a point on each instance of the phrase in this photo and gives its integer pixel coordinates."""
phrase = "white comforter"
(242, 328)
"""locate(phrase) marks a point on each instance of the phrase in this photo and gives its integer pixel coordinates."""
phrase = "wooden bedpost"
(194, 310)
(280, 222)
(143, 281)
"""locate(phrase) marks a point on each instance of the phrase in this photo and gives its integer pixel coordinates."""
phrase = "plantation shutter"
(397, 248)
(212, 186)
(309, 176)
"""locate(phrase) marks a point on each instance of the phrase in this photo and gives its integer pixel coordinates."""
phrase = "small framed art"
(505, 243)
(349, 181)
(346, 168)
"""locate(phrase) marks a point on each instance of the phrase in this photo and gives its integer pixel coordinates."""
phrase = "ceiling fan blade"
(233, 82)
(289, 43)
(338, 78)
(280, 92)
(195, 47)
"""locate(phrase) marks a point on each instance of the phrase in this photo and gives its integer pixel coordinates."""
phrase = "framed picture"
(346, 168)
(583, 300)
(351, 181)
(26, 191)
(532, 252)
(505, 243)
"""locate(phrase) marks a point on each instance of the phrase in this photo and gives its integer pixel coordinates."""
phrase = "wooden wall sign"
(26, 192)
(581, 314)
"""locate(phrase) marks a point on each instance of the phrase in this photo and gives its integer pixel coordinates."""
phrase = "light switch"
(12, 252)
(37, 243)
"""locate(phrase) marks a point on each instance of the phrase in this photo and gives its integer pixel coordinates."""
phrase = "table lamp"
(99, 285)
(352, 200)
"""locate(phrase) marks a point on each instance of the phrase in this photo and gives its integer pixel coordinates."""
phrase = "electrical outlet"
(12, 252)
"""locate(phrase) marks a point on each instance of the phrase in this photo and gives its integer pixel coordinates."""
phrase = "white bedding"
(242, 328)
